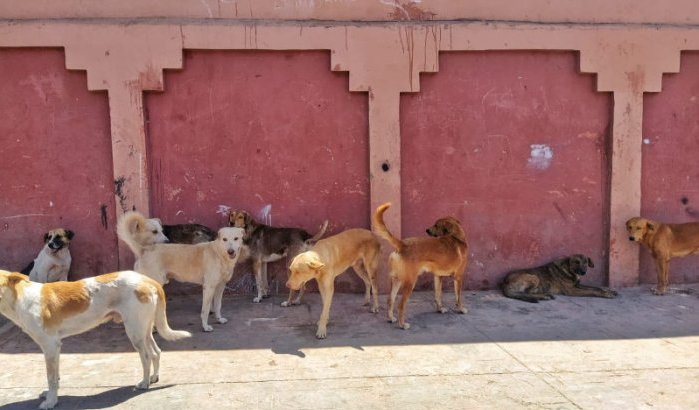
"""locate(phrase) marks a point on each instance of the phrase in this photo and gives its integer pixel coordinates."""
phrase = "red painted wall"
(670, 181)
(253, 130)
(469, 150)
(56, 162)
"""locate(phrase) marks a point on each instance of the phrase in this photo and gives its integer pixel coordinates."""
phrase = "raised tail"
(380, 229)
(320, 233)
(127, 225)
(161, 324)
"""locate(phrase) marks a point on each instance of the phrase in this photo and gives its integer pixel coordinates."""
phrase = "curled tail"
(380, 227)
(128, 224)
(161, 324)
(320, 233)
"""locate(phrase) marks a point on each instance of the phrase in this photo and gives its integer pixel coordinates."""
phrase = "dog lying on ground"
(53, 261)
(188, 233)
(664, 241)
(209, 264)
(444, 253)
(50, 312)
(264, 243)
(560, 277)
(331, 256)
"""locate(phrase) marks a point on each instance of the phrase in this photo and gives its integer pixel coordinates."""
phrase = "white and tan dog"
(50, 312)
(53, 261)
(209, 264)
(139, 232)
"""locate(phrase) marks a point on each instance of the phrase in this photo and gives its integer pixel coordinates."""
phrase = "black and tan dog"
(264, 243)
(664, 241)
(560, 277)
(53, 262)
(188, 233)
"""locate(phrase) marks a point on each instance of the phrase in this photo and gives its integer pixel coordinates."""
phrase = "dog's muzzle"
(55, 245)
(631, 238)
(231, 253)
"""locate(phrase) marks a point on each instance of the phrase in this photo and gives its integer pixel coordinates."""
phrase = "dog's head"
(57, 239)
(304, 267)
(575, 266)
(151, 232)
(447, 226)
(231, 239)
(638, 228)
(10, 285)
(241, 219)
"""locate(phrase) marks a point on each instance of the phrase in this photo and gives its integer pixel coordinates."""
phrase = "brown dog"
(560, 277)
(445, 253)
(665, 241)
(264, 243)
(331, 256)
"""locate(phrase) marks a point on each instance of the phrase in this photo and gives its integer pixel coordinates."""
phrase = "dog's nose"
(231, 253)
(631, 238)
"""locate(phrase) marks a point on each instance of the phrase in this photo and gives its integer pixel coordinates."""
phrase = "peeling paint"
(541, 156)
(119, 192)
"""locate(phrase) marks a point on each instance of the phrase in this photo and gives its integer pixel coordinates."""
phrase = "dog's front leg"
(206, 307)
(582, 290)
(218, 296)
(662, 264)
(52, 352)
(257, 268)
(438, 294)
(327, 288)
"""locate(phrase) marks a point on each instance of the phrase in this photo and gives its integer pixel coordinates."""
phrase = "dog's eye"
(155, 232)
(225, 239)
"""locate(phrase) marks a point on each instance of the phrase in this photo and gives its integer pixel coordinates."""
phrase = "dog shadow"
(106, 399)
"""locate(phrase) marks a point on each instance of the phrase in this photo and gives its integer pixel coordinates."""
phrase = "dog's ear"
(69, 234)
(589, 263)
(46, 237)
(316, 264)
(650, 226)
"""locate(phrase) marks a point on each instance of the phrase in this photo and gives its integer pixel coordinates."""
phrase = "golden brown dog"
(560, 277)
(665, 241)
(331, 256)
(445, 253)
(53, 311)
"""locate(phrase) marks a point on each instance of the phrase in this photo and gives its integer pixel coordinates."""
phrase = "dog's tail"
(320, 233)
(161, 320)
(129, 223)
(380, 227)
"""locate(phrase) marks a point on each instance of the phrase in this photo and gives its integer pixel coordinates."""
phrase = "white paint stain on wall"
(265, 215)
(541, 156)
(223, 210)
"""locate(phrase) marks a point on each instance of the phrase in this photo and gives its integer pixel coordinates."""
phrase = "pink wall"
(670, 172)
(467, 144)
(256, 129)
(56, 162)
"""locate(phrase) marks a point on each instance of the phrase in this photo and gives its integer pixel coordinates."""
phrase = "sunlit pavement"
(636, 351)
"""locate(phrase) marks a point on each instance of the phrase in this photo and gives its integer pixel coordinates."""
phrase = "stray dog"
(209, 264)
(665, 241)
(560, 277)
(53, 262)
(331, 256)
(50, 312)
(266, 243)
(140, 233)
(188, 233)
(444, 253)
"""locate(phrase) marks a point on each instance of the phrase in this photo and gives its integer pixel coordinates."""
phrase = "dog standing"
(50, 312)
(664, 241)
(444, 253)
(140, 233)
(209, 264)
(560, 277)
(188, 233)
(264, 243)
(331, 256)
(53, 262)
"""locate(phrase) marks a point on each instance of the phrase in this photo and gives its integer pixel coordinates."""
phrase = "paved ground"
(638, 351)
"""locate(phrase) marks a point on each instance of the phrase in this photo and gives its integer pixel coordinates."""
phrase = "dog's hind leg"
(395, 287)
(139, 330)
(458, 294)
(257, 268)
(52, 352)
(408, 287)
(154, 352)
(438, 294)
(265, 281)
(371, 265)
(358, 267)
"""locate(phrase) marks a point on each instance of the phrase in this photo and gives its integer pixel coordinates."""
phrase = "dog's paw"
(391, 319)
(374, 309)
(321, 333)
(285, 304)
(257, 300)
(48, 404)
(461, 310)
(658, 291)
(43, 394)
(143, 385)
(442, 310)
(207, 328)
(611, 293)
(222, 320)
(154, 379)
(405, 326)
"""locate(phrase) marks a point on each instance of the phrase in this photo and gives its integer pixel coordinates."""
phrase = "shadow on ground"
(103, 400)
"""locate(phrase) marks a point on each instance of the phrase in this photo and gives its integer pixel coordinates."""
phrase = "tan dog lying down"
(330, 257)
(209, 264)
(50, 312)
(664, 241)
(444, 253)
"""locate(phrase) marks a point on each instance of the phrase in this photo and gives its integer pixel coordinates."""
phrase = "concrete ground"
(637, 351)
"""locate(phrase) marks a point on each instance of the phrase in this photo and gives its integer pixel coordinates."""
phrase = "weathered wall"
(414, 66)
